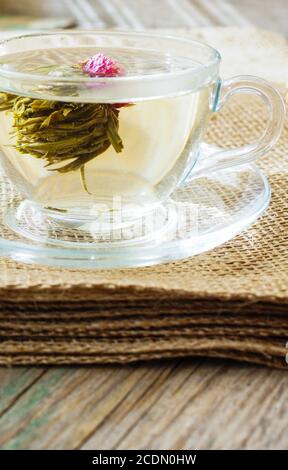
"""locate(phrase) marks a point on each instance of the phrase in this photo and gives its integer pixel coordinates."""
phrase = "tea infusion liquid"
(155, 138)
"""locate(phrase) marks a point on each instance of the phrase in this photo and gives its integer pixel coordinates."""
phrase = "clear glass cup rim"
(211, 64)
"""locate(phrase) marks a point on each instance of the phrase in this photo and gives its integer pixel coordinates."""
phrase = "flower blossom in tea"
(67, 135)
(90, 129)
(100, 65)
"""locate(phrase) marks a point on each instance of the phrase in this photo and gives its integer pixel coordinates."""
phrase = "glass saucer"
(198, 217)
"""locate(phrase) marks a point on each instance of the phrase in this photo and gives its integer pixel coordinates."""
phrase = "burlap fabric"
(231, 302)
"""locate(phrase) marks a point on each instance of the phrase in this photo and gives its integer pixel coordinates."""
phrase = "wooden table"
(141, 14)
(186, 404)
(183, 404)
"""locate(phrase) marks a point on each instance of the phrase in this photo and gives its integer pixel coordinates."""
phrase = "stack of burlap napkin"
(231, 302)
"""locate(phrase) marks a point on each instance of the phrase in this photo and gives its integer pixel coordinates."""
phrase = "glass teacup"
(90, 118)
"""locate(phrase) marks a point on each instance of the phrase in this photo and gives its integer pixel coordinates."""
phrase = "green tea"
(151, 145)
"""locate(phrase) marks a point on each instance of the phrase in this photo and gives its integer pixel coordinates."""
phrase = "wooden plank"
(216, 406)
(172, 405)
(274, 18)
(55, 400)
(128, 14)
(14, 382)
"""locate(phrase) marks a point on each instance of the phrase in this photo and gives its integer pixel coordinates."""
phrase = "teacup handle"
(214, 158)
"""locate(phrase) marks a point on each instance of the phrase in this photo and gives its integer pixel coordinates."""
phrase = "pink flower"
(100, 65)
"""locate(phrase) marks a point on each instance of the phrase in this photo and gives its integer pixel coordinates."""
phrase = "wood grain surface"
(186, 404)
(141, 14)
